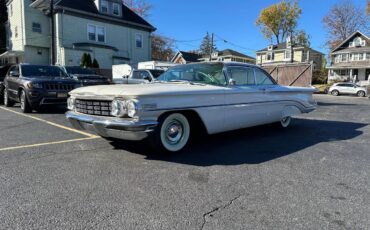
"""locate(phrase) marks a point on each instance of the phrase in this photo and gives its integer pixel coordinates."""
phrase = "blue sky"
(233, 20)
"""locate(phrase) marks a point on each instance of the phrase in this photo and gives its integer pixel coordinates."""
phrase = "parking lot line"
(51, 123)
(47, 143)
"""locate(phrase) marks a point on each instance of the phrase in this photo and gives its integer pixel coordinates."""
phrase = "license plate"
(62, 95)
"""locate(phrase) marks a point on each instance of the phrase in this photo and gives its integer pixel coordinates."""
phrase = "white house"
(350, 60)
(107, 29)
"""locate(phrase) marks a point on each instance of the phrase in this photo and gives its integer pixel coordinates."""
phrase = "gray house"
(107, 29)
(350, 60)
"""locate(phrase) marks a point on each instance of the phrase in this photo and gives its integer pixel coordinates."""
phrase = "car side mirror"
(14, 74)
(232, 81)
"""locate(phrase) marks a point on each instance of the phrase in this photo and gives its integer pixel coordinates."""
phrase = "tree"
(343, 19)
(141, 7)
(3, 19)
(95, 64)
(86, 60)
(206, 47)
(302, 38)
(162, 48)
(368, 7)
(279, 20)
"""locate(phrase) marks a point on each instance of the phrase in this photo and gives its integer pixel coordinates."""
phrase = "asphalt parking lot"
(314, 175)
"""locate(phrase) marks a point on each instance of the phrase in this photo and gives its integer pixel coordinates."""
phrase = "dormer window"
(116, 9)
(270, 47)
(109, 7)
(357, 42)
(104, 7)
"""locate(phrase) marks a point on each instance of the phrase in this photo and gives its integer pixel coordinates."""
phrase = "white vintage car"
(217, 97)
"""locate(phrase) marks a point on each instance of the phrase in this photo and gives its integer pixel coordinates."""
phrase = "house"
(106, 29)
(280, 54)
(183, 57)
(350, 60)
(229, 55)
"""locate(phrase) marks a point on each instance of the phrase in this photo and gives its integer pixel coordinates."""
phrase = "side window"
(13, 69)
(262, 78)
(140, 75)
(241, 75)
(146, 75)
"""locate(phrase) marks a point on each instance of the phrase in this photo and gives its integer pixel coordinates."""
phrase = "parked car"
(347, 88)
(86, 77)
(36, 85)
(3, 70)
(217, 96)
(139, 76)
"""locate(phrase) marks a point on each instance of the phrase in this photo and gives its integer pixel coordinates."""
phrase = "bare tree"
(344, 19)
(141, 7)
(162, 47)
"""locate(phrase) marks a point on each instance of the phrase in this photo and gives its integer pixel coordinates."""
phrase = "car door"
(12, 79)
(346, 88)
(244, 99)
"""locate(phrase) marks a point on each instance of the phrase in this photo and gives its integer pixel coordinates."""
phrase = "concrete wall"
(36, 55)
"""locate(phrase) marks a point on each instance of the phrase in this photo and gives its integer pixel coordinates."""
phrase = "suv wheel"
(7, 101)
(335, 92)
(361, 93)
(25, 105)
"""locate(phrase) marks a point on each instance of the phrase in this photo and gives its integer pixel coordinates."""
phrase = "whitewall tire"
(172, 134)
(285, 122)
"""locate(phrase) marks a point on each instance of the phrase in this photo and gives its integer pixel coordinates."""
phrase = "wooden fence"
(296, 74)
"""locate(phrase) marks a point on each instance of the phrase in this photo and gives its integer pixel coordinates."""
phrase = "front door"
(355, 74)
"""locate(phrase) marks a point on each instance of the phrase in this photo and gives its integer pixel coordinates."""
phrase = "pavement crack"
(216, 209)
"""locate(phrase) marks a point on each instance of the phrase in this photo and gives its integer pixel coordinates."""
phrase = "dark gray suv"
(36, 85)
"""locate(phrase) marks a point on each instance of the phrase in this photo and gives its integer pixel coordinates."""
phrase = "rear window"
(37, 71)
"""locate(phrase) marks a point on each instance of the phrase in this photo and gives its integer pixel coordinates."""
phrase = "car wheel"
(285, 122)
(25, 106)
(335, 92)
(361, 93)
(172, 134)
(7, 101)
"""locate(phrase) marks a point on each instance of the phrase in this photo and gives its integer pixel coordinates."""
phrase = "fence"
(296, 74)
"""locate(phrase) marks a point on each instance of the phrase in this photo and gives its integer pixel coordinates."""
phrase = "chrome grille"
(99, 108)
(58, 87)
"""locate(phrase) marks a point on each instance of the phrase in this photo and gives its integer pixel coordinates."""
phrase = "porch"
(359, 75)
(11, 57)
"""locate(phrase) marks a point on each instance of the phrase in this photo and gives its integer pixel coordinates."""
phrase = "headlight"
(131, 108)
(34, 85)
(71, 103)
(118, 108)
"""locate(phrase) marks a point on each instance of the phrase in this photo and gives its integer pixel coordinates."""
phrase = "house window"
(270, 56)
(357, 41)
(344, 57)
(116, 10)
(104, 6)
(139, 40)
(367, 56)
(287, 54)
(100, 33)
(361, 56)
(91, 32)
(96, 33)
(36, 27)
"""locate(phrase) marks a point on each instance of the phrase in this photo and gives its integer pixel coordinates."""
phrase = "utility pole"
(52, 38)
(291, 47)
(211, 48)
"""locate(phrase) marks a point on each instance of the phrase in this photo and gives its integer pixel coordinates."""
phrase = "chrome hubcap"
(5, 97)
(174, 132)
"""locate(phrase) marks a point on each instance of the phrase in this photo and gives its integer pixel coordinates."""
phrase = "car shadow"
(254, 145)
(334, 104)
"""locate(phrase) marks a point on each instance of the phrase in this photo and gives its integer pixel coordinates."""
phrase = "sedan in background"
(348, 89)
(86, 77)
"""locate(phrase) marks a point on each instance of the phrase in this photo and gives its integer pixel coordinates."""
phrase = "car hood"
(52, 79)
(137, 90)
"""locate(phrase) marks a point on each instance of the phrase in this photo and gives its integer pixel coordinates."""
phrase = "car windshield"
(79, 70)
(156, 73)
(205, 73)
(42, 71)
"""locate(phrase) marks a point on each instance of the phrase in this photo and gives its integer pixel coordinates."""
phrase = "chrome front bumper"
(112, 127)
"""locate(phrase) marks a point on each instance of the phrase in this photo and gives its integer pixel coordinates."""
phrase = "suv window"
(241, 75)
(13, 68)
(263, 78)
